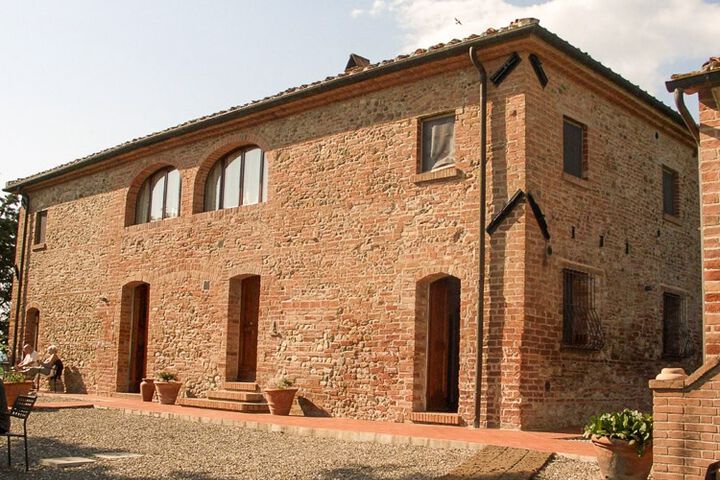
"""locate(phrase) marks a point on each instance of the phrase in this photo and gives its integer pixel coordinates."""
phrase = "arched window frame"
(146, 189)
(222, 163)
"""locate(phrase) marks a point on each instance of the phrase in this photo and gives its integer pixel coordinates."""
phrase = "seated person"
(30, 358)
(44, 367)
(4, 417)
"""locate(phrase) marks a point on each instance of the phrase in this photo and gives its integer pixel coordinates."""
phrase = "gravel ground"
(188, 450)
(565, 469)
(176, 449)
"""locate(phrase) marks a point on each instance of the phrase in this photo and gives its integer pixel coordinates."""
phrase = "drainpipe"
(25, 202)
(679, 95)
(685, 114)
(483, 197)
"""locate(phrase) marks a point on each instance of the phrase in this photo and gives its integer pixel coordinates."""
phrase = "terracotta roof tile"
(182, 127)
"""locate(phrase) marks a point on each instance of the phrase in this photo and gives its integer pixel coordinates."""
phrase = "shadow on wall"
(72, 380)
(309, 409)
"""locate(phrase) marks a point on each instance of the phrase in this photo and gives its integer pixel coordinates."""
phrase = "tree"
(8, 239)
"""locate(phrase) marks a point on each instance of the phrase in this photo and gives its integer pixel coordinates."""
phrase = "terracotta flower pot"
(618, 460)
(280, 400)
(13, 389)
(147, 389)
(167, 392)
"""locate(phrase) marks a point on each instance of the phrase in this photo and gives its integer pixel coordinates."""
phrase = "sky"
(79, 76)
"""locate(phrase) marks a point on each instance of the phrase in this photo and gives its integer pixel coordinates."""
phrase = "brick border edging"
(320, 432)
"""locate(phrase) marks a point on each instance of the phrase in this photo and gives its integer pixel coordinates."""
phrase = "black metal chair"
(21, 410)
(56, 374)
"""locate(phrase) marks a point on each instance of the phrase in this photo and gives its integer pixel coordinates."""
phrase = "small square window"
(40, 225)
(574, 148)
(671, 192)
(438, 143)
(581, 324)
(675, 335)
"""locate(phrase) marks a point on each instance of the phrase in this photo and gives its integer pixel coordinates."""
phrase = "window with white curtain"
(159, 196)
(239, 178)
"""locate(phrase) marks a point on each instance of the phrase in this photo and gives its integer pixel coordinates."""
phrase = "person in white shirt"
(31, 358)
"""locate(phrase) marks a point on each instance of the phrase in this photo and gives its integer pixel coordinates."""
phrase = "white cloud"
(640, 39)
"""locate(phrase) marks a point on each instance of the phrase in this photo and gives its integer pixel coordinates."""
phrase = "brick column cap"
(688, 382)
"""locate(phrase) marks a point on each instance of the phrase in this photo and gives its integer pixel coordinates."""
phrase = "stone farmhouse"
(332, 233)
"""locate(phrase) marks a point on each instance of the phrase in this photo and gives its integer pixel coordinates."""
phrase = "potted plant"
(167, 388)
(280, 398)
(623, 444)
(15, 384)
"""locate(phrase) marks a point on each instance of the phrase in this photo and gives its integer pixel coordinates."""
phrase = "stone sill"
(687, 382)
(153, 224)
(578, 349)
(672, 219)
(37, 247)
(441, 174)
(435, 417)
(577, 181)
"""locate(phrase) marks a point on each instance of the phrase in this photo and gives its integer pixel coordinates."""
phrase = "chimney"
(356, 61)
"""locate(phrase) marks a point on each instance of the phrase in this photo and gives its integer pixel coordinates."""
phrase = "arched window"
(239, 178)
(159, 196)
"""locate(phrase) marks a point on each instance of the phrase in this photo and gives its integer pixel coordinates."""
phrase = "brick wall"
(351, 235)
(687, 411)
(687, 424)
(641, 255)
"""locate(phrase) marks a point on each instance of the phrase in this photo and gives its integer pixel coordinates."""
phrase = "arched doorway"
(133, 338)
(243, 315)
(32, 327)
(443, 345)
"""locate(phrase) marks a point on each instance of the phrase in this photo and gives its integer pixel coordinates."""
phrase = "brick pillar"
(686, 429)
(710, 210)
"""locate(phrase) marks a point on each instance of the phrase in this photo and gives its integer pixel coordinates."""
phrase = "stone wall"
(351, 234)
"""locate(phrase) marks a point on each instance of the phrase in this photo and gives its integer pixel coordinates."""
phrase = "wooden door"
(443, 345)
(249, 313)
(138, 348)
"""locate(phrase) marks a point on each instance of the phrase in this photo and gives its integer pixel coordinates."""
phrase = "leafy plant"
(166, 376)
(10, 376)
(630, 425)
(283, 382)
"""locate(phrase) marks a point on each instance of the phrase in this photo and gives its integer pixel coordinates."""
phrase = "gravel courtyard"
(188, 450)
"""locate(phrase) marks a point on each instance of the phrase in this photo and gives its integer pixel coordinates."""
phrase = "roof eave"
(692, 82)
(412, 61)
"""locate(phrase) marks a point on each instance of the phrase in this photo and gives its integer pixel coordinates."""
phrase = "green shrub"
(166, 376)
(10, 376)
(631, 425)
(283, 383)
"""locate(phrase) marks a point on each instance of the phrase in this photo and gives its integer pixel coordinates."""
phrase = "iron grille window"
(671, 192)
(574, 151)
(676, 334)
(438, 143)
(40, 225)
(581, 324)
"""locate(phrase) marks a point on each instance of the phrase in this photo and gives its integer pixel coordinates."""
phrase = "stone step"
(439, 418)
(237, 396)
(241, 386)
(244, 407)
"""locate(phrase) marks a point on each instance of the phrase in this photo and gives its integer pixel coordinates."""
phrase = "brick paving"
(500, 463)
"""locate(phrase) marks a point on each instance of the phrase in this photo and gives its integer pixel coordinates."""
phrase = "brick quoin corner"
(687, 410)
(353, 240)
